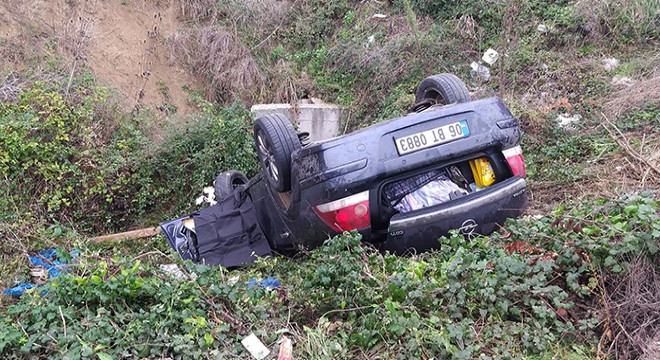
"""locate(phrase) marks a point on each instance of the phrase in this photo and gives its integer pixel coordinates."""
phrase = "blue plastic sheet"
(49, 261)
(268, 283)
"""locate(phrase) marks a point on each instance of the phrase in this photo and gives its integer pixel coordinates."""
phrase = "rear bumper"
(479, 214)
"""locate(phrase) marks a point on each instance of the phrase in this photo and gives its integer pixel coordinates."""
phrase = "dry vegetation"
(215, 54)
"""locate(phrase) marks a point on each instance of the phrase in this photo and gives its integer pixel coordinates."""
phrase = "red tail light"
(515, 160)
(346, 214)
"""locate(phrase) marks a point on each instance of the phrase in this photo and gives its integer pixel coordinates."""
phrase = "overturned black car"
(451, 163)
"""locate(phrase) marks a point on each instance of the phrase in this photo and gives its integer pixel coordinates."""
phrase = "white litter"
(379, 16)
(480, 72)
(619, 80)
(174, 271)
(255, 347)
(542, 28)
(490, 56)
(208, 196)
(567, 121)
(610, 64)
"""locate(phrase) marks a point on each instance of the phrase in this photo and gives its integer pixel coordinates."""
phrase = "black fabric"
(228, 234)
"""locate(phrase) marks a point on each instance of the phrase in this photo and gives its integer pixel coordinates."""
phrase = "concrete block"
(322, 120)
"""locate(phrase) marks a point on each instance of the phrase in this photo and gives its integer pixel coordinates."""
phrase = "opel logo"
(468, 226)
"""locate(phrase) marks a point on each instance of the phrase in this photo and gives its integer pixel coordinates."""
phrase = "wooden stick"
(128, 235)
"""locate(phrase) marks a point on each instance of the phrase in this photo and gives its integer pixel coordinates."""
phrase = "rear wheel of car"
(442, 89)
(226, 182)
(276, 140)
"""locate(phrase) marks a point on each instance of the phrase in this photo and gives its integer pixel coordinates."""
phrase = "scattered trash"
(371, 40)
(480, 72)
(610, 64)
(437, 191)
(490, 56)
(19, 290)
(286, 349)
(208, 196)
(619, 80)
(51, 265)
(268, 283)
(174, 271)
(542, 28)
(379, 16)
(545, 67)
(255, 347)
(567, 121)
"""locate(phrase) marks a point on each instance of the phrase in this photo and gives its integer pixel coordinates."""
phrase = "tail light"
(483, 172)
(515, 160)
(346, 214)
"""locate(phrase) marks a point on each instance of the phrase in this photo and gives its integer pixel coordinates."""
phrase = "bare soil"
(121, 42)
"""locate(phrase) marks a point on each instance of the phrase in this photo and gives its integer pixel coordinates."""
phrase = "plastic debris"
(619, 80)
(542, 28)
(610, 64)
(46, 259)
(480, 72)
(490, 56)
(255, 347)
(268, 283)
(174, 271)
(18, 290)
(208, 196)
(286, 349)
(435, 192)
(371, 40)
(567, 121)
(379, 16)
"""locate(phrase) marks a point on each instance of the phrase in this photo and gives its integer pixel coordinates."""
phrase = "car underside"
(450, 163)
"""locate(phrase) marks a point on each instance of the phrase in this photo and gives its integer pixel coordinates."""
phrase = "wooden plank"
(128, 235)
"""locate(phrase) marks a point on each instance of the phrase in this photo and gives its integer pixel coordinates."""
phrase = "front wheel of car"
(225, 184)
(442, 89)
(276, 140)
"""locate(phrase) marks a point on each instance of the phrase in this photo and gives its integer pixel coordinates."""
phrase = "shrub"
(172, 172)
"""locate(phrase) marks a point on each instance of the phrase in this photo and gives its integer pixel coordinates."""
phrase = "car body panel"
(368, 160)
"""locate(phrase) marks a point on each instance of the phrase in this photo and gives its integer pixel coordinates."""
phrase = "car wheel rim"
(268, 159)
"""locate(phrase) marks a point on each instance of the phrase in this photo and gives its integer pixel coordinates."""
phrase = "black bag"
(228, 233)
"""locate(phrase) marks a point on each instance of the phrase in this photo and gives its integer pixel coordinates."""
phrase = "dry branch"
(623, 142)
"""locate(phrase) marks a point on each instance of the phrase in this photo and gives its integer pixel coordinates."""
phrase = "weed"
(517, 294)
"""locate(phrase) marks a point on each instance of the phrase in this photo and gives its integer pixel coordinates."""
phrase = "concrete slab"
(322, 121)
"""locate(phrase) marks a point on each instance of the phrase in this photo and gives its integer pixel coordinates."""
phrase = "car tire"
(276, 140)
(226, 182)
(442, 89)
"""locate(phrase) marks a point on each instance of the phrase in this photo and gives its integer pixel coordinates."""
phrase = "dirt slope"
(121, 42)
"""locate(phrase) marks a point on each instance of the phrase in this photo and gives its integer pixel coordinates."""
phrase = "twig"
(346, 310)
(63, 321)
(626, 145)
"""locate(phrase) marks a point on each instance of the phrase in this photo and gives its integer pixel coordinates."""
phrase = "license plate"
(433, 137)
